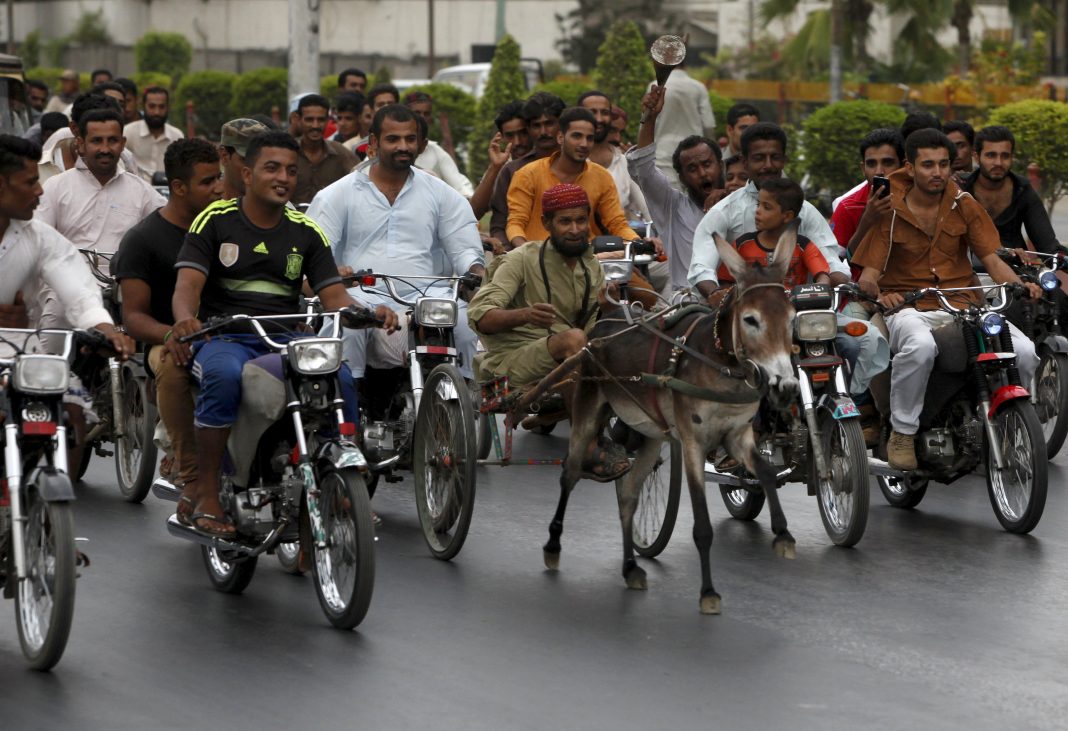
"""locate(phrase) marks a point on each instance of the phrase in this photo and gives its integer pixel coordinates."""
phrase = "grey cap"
(237, 133)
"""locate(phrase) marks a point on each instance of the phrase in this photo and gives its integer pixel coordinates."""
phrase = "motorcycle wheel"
(483, 435)
(1018, 493)
(289, 557)
(83, 465)
(135, 453)
(844, 499)
(1051, 390)
(741, 503)
(228, 576)
(897, 495)
(658, 502)
(344, 569)
(44, 600)
(444, 462)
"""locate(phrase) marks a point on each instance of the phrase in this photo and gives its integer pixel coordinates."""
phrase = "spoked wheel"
(444, 462)
(44, 600)
(658, 502)
(483, 434)
(135, 452)
(1018, 492)
(1051, 389)
(843, 500)
(228, 573)
(345, 568)
(289, 557)
(741, 503)
(899, 495)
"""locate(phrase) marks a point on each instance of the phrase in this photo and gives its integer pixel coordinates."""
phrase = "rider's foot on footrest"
(901, 451)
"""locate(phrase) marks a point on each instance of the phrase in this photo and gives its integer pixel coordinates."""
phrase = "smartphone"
(879, 184)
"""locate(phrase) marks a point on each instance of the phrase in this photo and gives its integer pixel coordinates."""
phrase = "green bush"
(505, 83)
(829, 138)
(48, 74)
(164, 52)
(624, 70)
(146, 79)
(328, 87)
(30, 48)
(568, 88)
(1040, 128)
(210, 92)
(720, 106)
(257, 91)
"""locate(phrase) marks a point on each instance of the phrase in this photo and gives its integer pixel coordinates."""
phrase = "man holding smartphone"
(881, 153)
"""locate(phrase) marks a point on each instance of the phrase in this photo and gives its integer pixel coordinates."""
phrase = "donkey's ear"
(784, 251)
(730, 257)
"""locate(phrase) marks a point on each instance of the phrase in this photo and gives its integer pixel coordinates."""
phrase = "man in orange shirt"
(569, 165)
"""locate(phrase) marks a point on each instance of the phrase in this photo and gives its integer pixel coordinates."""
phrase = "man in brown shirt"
(320, 161)
(925, 241)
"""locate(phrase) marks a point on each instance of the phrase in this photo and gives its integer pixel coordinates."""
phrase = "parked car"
(472, 77)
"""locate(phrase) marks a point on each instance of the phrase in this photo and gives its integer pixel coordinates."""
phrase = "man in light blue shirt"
(399, 220)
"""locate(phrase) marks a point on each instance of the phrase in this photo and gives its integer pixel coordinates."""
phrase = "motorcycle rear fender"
(1005, 394)
(341, 455)
(839, 406)
(1056, 343)
(52, 485)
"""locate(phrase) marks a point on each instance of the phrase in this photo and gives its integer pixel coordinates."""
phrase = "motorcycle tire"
(228, 576)
(1018, 506)
(1051, 393)
(44, 601)
(658, 503)
(83, 465)
(344, 570)
(135, 453)
(899, 496)
(288, 555)
(741, 503)
(843, 500)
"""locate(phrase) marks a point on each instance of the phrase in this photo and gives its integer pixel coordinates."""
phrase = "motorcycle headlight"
(43, 374)
(992, 323)
(435, 312)
(617, 270)
(315, 356)
(816, 325)
(1048, 280)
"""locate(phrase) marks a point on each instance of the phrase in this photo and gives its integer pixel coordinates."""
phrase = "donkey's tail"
(556, 375)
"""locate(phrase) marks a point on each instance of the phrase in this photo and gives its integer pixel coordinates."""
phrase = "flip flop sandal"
(183, 515)
(195, 519)
(608, 463)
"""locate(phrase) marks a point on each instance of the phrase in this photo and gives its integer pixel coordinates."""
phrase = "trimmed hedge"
(211, 93)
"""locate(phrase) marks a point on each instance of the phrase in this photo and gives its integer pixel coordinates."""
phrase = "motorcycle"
(819, 441)
(417, 410)
(38, 558)
(1039, 320)
(975, 411)
(291, 476)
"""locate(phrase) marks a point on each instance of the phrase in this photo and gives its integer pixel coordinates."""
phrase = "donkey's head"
(762, 320)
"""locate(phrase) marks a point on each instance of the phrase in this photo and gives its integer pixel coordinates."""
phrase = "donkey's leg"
(627, 490)
(741, 442)
(694, 451)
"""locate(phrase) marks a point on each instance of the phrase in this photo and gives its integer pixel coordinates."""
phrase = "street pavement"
(937, 620)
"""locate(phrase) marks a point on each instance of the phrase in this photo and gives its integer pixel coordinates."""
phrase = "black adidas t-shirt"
(255, 271)
(148, 252)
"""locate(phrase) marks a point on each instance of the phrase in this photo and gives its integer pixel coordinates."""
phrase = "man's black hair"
(787, 193)
(38, 84)
(347, 73)
(689, 143)
(51, 121)
(155, 90)
(576, 114)
(269, 139)
(182, 156)
(418, 97)
(884, 136)
(128, 85)
(108, 86)
(739, 110)
(312, 100)
(97, 72)
(959, 125)
(99, 115)
(396, 112)
(592, 93)
(351, 101)
(542, 103)
(917, 121)
(380, 89)
(762, 131)
(511, 110)
(732, 160)
(84, 103)
(994, 133)
(927, 139)
(422, 128)
(14, 152)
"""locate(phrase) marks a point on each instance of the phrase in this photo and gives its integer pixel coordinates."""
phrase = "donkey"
(731, 357)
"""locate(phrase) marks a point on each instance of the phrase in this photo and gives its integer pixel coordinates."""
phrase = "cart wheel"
(658, 502)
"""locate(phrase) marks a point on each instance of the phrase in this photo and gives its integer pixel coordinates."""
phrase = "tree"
(163, 52)
(257, 91)
(624, 70)
(506, 83)
(30, 49)
(720, 106)
(210, 91)
(587, 25)
(1040, 127)
(829, 139)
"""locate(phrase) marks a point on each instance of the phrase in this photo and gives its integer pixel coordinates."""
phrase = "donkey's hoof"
(785, 547)
(635, 578)
(710, 603)
(552, 559)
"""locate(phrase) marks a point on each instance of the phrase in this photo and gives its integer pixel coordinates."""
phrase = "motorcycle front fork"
(13, 461)
(808, 403)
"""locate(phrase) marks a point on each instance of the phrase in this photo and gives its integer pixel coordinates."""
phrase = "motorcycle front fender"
(1005, 394)
(340, 455)
(52, 485)
(839, 406)
(1056, 343)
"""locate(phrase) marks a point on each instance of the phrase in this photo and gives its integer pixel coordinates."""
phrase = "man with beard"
(321, 161)
(399, 220)
(541, 112)
(510, 143)
(148, 138)
(611, 158)
(351, 80)
(37, 97)
(130, 111)
(676, 213)
(569, 165)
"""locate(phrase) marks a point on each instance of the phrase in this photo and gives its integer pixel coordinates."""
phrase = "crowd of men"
(354, 182)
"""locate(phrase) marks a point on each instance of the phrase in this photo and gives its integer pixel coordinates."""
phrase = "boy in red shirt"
(779, 205)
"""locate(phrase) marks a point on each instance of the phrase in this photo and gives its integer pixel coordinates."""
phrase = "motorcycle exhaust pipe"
(221, 544)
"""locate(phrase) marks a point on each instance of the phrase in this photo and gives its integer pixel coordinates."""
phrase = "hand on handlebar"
(1033, 290)
(123, 345)
(187, 328)
(890, 300)
(388, 318)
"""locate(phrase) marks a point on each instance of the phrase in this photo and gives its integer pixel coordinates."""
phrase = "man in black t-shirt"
(145, 269)
(250, 256)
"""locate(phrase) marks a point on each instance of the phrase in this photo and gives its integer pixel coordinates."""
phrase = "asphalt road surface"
(938, 619)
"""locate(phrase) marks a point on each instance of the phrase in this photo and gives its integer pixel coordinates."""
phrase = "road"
(938, 619)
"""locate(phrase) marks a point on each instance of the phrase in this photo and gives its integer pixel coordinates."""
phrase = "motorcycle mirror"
(668, 52)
